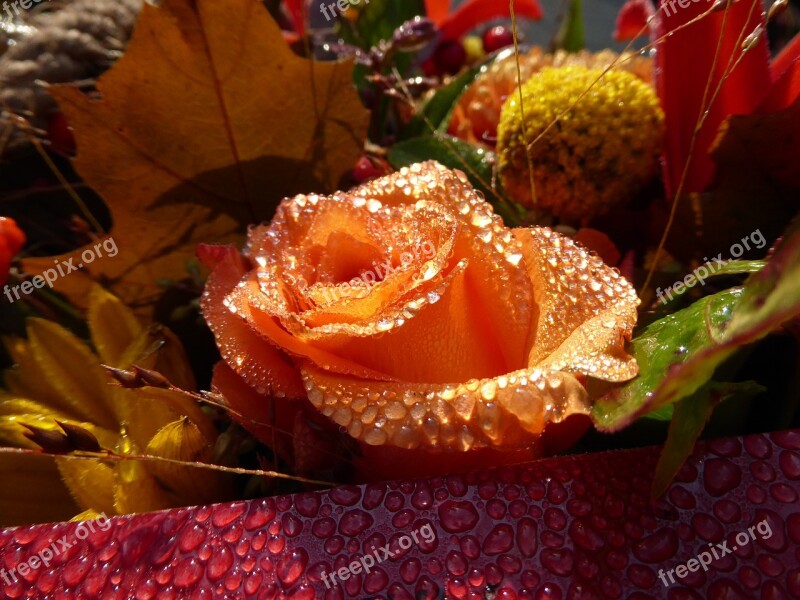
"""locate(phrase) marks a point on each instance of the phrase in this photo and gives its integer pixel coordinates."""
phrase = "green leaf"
(477, 163)
(377, 21)
(659, 349)
(571, 35)
(737, 267)
(677, 355)
(435, 114)
(690, 417)
(734, 267)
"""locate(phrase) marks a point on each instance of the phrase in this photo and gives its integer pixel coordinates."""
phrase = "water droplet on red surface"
(549, 592)
(720, 476)
(555, 519)
(500, 539)
(219, 564)
(324, 528)
(422, 498)
(790, 464)
(762, 470)
(657, 547)
(584, 537)
(426, 589)
(509, 563)
(783, 493)
(682, 498)
(291, 566)
(373, 496)
(787, 439)
(394, 501)
(307, 504)
(496, 508)
(551, 539)
(346, 495)
(756, 495)
(456, 564)
(727, 511)
(487, 489)
(187, 573)
(458, 517)
(76, 570)
(403, 518)
(334, 545)
(225, 514)
(725, 589)
(354, 522)
(578, 507)
(707, 527)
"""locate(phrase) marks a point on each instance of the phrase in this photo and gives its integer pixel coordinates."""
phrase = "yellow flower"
(596, 156)
(58, 378)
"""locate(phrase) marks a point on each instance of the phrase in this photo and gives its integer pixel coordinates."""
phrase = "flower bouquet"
(394, 299)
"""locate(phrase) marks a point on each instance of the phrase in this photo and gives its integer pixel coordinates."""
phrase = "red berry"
(497, 37)
(60, 134)
(449, 57)
(368, 168)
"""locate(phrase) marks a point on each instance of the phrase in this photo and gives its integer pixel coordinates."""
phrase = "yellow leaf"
(73, 370)
(181, 440)
(86, 515)
(113, 326)
(180, 405)
(27, 379)
(32, 491)
(202, 127)
(90, 482)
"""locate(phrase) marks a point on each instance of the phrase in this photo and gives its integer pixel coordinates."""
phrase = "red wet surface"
(575, 527)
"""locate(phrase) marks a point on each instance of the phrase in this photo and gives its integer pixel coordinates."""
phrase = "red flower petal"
(786, 73)
(632, 19)
(12, 239)
(684, 65)
(297, 16)
(561, 528)
(475, 12)
(437, 10)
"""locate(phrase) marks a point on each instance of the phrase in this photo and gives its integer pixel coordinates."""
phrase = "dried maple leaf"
(203, 126)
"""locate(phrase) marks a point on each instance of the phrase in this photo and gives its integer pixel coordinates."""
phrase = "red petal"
(786, 73)
(600, 243)
(297, 16)
(632, 19)
(684, 59)
(574, 526)
(437, 10)
(475, 12)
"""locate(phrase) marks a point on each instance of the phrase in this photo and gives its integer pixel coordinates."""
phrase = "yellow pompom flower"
(58, 384)
(596, 156)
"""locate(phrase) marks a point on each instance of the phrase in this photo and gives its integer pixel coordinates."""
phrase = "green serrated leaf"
(690, 417)
(477, 163)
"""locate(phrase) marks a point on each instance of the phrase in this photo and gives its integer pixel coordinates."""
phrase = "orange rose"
(408, 314)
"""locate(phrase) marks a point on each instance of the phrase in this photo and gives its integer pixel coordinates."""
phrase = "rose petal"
(260, 363)
(438, 338)
(497, 280)
(586, 309)
(328, 306)
(506, 411)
